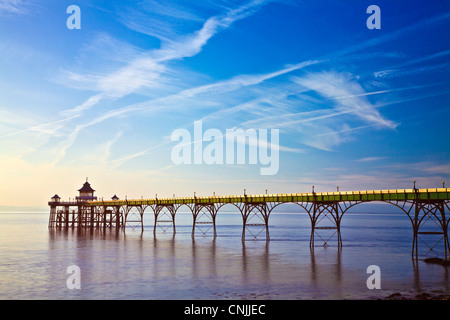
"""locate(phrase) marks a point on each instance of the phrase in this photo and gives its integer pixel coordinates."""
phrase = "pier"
(325, 210)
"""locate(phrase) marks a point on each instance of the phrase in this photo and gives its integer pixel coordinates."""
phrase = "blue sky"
(355, 108)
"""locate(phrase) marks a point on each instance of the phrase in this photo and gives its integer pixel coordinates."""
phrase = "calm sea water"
(135, 265)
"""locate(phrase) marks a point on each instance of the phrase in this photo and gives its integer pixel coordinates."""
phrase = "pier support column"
(255, 220)
(66, 217)
(79, 216)
(329, 216)
(52, 218)
(424, 212)
(91, 217)
(134, 217)
(104, 217)
(164, 217)
(204, 218)
(118, 217)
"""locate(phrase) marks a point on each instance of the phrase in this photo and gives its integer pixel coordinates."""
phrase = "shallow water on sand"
(135, 265)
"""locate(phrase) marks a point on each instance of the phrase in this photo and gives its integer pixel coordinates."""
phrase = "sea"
(37, 263)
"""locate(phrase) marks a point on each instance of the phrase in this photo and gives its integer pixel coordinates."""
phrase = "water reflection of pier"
(259, 271)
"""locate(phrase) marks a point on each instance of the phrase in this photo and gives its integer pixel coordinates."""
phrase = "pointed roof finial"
(86, 187)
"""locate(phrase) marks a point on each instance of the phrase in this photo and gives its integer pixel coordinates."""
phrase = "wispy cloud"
(396, 73)
(14, 6)
(422, 168)
(346, 129)
(146, 70)
(173, 102)
(349, 95)
(399, 68)
(149, 69)
(47, 128)
(379, 175)
(115, 163)
(441, 169)
(370, 159)
(365, 94)
(408, 29)
(243, 81)
(105, 152)
(322, 97)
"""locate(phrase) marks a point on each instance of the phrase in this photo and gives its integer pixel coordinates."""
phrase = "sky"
(356, 107)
